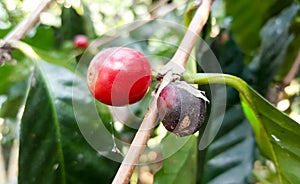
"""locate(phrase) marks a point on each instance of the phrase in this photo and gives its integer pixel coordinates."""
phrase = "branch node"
(175, 69)
(5, 53)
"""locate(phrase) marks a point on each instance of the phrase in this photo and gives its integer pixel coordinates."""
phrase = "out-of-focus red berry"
(81, 41)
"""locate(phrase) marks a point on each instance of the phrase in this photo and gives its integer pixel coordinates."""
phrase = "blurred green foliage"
(257, 41)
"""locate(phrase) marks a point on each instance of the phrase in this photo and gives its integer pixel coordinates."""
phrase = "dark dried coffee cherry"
(181, 110)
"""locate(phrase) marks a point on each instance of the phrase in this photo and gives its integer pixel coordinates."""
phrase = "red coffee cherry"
(119, 76)
(81, 41)
(180, 110)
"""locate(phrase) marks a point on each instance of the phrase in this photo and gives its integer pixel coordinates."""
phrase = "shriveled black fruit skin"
(180, 111)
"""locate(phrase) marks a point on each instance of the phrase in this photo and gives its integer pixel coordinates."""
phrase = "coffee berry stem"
(191, 36)
(180, 59)
(218, 78)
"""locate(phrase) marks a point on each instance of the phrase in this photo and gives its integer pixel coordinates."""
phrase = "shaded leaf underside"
(52, 148)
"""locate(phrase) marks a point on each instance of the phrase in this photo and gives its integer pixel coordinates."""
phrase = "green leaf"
(42, 38)
(72, 25)
(192, 7)
(277, 135)
(189, 14)
(293, 48)
(13, 86)
(274, 48)
(55, 57)
(58, 58)
(248, 17)
(44, 146)
(214, 162)
(180, 167)
(229, 157)
(52, 148)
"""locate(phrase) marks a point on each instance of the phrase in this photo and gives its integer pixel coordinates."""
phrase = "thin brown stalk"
(188, 42)
(292, 73)
(28, 22)
(288, 79)
(21, 30)
(181, 56)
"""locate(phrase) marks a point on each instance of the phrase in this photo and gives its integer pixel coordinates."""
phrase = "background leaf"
(293, 48)
(274, 48)
(13, 87)
(179, 167)
(72, 25)
(32, 142)
(215, 163)
(253, 33)
(248, 20)
(277, 135)
(229, 158)
(42, 37)
(51, 136)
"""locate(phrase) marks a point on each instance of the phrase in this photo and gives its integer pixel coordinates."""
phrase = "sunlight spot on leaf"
(118, 126)
(275, 138)
(55, 166)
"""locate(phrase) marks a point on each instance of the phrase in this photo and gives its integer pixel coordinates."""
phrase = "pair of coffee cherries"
(120, 76)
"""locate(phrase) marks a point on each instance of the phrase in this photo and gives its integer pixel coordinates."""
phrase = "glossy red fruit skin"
(119, 76)
(81, 41)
